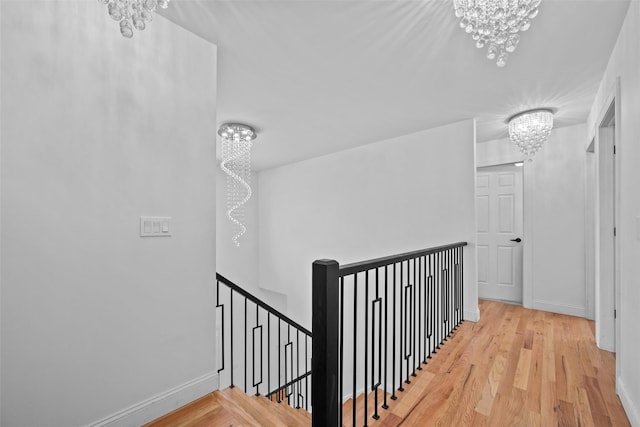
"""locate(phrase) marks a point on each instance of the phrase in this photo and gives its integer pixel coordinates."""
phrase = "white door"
(499, 227)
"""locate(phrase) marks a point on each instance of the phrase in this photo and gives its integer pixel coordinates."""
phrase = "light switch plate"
(155, 226)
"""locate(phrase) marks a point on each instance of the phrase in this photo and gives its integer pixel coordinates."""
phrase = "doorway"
(605, 232)
(499, 227)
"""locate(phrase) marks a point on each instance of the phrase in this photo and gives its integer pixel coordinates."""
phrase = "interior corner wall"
(98, 324)
(625, 64)
(554, 198)
(406, 193)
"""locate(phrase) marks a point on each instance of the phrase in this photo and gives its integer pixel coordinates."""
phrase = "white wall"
(625, 63)
(556, 179)
(497, 152)
(98, 130)
(406, 193)
(554, 194)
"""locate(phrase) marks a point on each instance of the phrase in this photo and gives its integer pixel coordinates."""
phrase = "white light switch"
(155, 226)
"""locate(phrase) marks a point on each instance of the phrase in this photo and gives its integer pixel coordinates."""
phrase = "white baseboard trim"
(628, 403)
(471, 315)
(554, 307)
(160, 404)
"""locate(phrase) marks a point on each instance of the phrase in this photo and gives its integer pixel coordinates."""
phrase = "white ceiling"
(315, 77)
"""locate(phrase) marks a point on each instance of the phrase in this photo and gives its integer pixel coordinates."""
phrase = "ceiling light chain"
(496, 23)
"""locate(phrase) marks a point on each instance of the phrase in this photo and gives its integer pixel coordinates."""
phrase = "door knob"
(518, 240)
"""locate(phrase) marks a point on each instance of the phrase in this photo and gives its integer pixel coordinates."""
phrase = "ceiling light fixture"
(133, 13)
(496, 23)
(236, 163)
(530, 129)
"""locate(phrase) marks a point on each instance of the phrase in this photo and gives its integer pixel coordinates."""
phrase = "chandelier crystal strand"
(133, 13)
(529, 130)
(236, 163)
(495, 24)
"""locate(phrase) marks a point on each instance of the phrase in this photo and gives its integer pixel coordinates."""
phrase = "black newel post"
(324, 362)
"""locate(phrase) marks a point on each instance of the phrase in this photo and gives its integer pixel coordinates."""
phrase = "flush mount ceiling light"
(496, 24)
(530, 129)
(133, 13)
(236, 163)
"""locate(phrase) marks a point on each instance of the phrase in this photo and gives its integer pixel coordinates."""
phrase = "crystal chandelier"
(529, 130)
(133, 13)
(496, 23)
(236, 163)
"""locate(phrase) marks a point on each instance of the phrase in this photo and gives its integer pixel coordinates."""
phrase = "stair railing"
(274, 350)
(375, 324)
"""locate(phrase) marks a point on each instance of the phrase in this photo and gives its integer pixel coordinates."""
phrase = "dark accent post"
(324, 348)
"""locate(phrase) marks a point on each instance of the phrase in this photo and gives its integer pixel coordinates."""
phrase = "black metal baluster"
(366, 336)
(221, 306)
(341, 366)
(306, 379)
(432, 310)
(452, 292)
(462, 283)
(386, 336)
(445, 300)
(245, 345)
(355, 344)
(425, 310)
(268, 352)
(279, 362)
(407, 326)
(438, 277)
(458, 272)
(298, 366)
(403, 350)
(413, 316)
(253, 354)
(288, 374)
(393, 341)
(231, 336)
(373, 381)
(420, 315)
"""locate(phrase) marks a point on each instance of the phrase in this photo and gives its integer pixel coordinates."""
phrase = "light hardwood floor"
(515, 367)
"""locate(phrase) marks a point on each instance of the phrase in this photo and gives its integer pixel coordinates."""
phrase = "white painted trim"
(554, 307)
(471, 315)
(162, 403)
(630, 406)
(528, 238)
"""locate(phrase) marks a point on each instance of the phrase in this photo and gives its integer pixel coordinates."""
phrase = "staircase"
(375, 324)
(233, 407)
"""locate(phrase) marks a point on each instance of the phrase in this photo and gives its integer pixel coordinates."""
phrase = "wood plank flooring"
(232, 407)
(516, 367)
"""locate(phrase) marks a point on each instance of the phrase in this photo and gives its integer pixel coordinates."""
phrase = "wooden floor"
(516, 367)
(232, 407)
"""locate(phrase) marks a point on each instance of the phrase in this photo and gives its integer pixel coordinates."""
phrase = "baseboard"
(630, 405)
(471, 315)
(162, 403)
(554, 307)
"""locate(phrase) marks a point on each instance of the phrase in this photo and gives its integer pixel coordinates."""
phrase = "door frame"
(608, 336)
